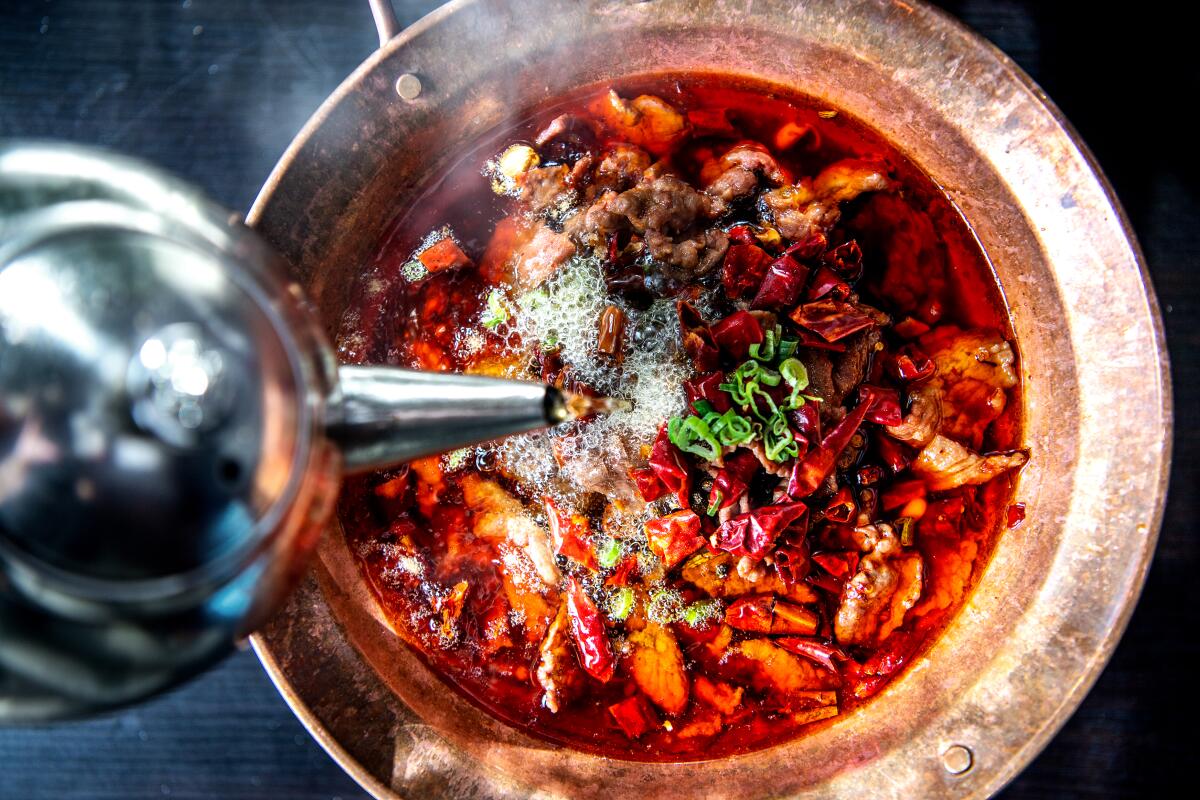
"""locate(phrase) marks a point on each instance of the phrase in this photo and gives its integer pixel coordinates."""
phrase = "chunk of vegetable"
(656, 665)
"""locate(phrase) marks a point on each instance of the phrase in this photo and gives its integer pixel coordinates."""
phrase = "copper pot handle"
(385, 20)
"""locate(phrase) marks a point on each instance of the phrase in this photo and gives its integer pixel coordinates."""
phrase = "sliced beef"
(813, 206)
(947, 464)
(885, 586)
(558, 671)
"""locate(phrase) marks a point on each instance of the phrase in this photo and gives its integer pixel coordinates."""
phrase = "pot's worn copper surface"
(1058, 591)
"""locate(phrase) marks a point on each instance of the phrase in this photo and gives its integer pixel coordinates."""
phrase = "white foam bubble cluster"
(565, 313)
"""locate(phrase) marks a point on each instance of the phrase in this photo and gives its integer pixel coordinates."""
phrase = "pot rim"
(967, 40)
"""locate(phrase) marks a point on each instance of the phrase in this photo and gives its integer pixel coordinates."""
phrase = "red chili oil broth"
(413, 325)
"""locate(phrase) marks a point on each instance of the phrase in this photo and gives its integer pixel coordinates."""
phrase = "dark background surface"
(213, 90)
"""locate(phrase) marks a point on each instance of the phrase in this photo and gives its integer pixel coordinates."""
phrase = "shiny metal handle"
(381, 416)
(385, 20)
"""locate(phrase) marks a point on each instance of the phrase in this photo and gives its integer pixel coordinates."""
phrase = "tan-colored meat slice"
(886, 585)
(722, 696)
(528, 597)
(924, 417)
(538, 256)
(499, 517)
(656, 664)
(946, 464)
(974, 368)
(646, 121)
(814, 205)
(773, 668)
(716, 574)
(558, 671)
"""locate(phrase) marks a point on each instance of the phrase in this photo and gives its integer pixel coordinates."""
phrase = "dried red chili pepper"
(741, 234)
(743, 270)
(697, 338)
(846, 260)
(751, 613)
(826, 283)
(807, 248)
(669, 467)
(1015, 515)
(832, 319)
(837, 568)
(708, 387)
(736, 333)
(811, 340)
(591, 640)
(911, 369)
(813, 650)
(806, 424)
(570, 534)
(648, 484)
(782, 285)
(732, 480)
(763, 613)
(674, 537)
(841, 507)
(753, 533)
(894, 454)
(611, 331)
(623, 572)
(812, 470)
(634, 716)
(792, 562)
(884, 405)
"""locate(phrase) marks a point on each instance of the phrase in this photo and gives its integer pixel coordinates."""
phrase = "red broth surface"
(705, 661)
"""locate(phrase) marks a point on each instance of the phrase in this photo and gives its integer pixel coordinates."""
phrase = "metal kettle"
(173, 428)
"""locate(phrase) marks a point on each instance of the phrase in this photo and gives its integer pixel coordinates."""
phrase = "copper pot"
(1057, 594)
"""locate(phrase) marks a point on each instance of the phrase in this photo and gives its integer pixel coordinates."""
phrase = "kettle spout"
(382, 416)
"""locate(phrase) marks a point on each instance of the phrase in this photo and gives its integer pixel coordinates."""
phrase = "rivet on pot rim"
(408, 86)
(957, 759)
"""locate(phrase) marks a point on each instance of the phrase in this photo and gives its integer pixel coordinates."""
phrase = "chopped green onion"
(765, 350)
(497, 313)
(907, 534)
(704, 408)
(787, 348)
(666, 606)
(620, 603)
(701, 611)
(457, 458)
(715, 505)
(778, 442)
(691, 435)
(608, 552)
(794, 372)
(729, 428)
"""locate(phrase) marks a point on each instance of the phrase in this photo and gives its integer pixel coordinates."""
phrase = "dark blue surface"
(213, 90)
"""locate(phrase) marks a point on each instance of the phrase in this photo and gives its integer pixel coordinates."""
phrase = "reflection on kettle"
(173, 428)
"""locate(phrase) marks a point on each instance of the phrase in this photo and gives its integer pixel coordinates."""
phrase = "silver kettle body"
(173, 428)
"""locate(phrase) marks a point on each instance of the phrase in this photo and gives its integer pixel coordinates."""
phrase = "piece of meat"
(621, 168)
(771, 668)
(545, 188)
(820, 375)
(924, 417)
(814, 205)
(886, 585)
(646, 121)
(850, 367)
(665, 204)
(603, 471)
(656, 664)
(974, 368)
(947, 464)
(694, 256)
(498, 517)
(558, 671)
(540, 255)
(716, 574)
(736, 174)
